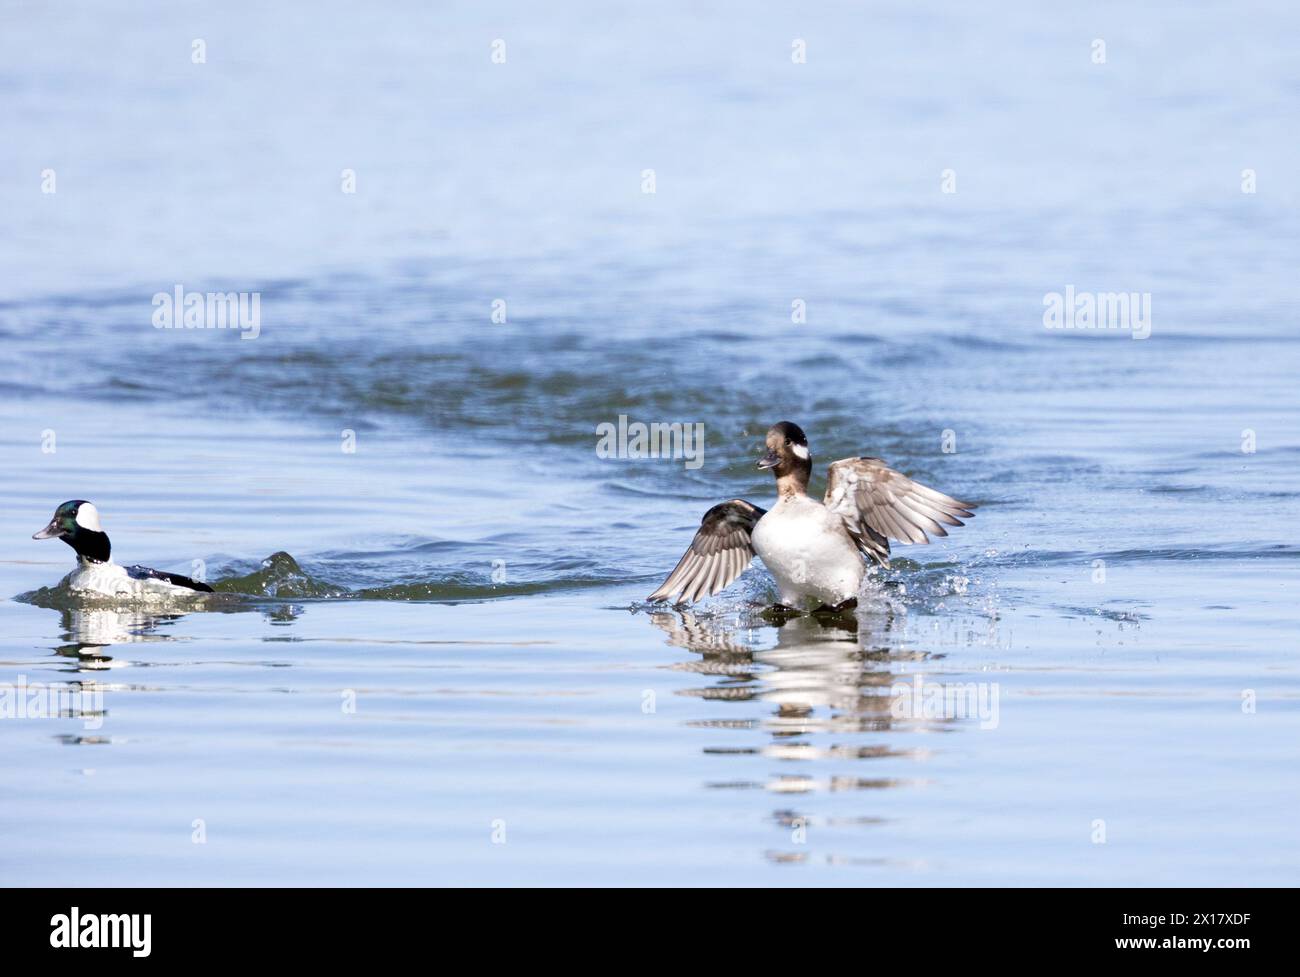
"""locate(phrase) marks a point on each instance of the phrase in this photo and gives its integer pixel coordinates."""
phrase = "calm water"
(451, 677)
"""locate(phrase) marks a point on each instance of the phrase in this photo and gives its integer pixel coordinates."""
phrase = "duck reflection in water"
(87, 633)
(823, 673)
(831, 691)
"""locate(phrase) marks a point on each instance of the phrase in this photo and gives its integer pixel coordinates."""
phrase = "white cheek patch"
(88, 518)
(800, 451)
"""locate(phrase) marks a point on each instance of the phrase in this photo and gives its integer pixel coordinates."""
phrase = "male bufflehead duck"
(813, 549)
(77, 524)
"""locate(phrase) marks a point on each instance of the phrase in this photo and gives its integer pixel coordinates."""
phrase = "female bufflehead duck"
(813, 549)
(77, 524)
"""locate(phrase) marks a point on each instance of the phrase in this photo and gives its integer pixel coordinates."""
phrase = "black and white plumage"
(814, 550)
(76, 522)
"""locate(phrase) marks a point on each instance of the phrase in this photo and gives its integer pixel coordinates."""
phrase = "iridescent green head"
(77, 523)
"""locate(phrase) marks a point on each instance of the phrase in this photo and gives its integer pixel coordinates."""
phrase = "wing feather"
(878, 503)
(175, 579)
(719, 553)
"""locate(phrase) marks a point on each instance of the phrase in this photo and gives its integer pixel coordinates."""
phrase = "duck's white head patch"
(88, 517)
(800, 451)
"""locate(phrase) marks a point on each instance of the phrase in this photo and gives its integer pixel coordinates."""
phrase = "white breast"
(808, 552)
(110, 580)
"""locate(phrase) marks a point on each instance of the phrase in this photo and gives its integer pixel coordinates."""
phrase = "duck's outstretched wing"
(878, 504)
(149, 573)
(718, 554)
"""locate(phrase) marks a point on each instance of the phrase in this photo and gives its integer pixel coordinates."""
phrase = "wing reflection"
(824, 694)
(821, 675)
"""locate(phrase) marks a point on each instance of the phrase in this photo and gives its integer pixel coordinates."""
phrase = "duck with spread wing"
(814, 550)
